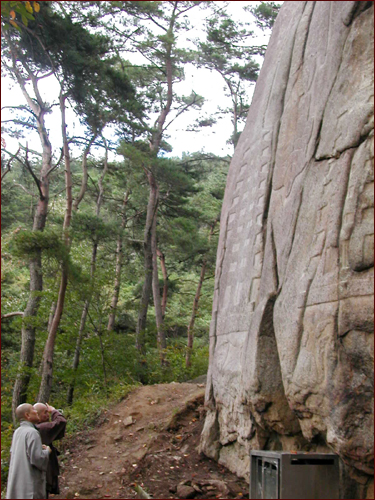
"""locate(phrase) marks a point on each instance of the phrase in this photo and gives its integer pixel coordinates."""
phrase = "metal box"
(279, 474)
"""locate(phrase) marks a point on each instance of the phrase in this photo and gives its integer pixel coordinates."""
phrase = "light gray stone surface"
(291, 337)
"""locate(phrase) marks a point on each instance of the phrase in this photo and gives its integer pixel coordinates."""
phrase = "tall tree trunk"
(153, 201)
(85, 176)
(86, 306)
(51, 315)
(119, 257)
(46, 382)
(190, 332)
(81, 332)
(28, 335)
(39, 110)
(50, 319)
(103, 362)
(156, 295)
(76, 203)
(165, 279)
(77, 351)
(152, 207)
(36, 286)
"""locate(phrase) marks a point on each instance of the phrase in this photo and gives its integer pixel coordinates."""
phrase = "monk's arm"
(38, 457)
(55, 429)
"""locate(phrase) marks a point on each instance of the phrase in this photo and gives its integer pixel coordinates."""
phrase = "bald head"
(27, 412)
(40, 407)
(21, 411)
(42, 411)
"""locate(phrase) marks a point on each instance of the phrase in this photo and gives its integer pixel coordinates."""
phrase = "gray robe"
(28, 464)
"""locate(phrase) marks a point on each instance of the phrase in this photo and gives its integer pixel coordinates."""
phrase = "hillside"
(150, 439)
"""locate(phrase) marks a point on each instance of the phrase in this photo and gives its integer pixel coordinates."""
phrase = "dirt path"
(150, 440)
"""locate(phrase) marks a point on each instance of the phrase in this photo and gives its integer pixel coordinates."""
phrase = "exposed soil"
(150, 441)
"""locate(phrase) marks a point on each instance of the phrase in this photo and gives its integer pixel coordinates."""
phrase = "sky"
(208, 84)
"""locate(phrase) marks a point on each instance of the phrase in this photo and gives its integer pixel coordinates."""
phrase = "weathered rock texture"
(291, 339)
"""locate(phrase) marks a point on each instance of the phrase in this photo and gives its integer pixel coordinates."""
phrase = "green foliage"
(227, 50)
(7, 430)
(175, 369)
(86, 410)
(16, 208)
(31, 243)
(8, 359)
(94, 79)
(153, 30)
(265, 14)
(93, 228)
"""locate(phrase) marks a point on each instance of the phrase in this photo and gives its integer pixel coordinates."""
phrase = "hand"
(49, 408)
(46, 448)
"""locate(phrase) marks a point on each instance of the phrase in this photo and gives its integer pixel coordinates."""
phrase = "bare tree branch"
(185, 108)
(21, 107)
(12, 157)
(20, 122)
(150, 18)
(53, 71)
(185, 10)
(57, 164)
(28, 166)
(30, 150)
(10, 315)
(23, 187)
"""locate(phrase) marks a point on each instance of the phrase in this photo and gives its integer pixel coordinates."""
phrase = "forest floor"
(150, 440)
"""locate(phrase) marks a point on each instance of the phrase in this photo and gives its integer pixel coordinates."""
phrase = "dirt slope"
(149, 440)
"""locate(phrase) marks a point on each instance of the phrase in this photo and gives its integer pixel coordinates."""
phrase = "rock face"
(291, 338)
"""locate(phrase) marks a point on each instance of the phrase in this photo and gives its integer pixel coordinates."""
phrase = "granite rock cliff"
(291, 337)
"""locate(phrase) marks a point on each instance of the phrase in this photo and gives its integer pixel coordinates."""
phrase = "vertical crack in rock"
(308, 21)
(294, 224)
(219, 271)
(275, 136)
(346, 177)
(301, 318)
(276, 267)
(220, 267)
(269, 403)
(307, 31)
(355, 11)
(323, 153)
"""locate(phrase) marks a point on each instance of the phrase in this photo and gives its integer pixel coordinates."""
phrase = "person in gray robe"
(28, 458)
